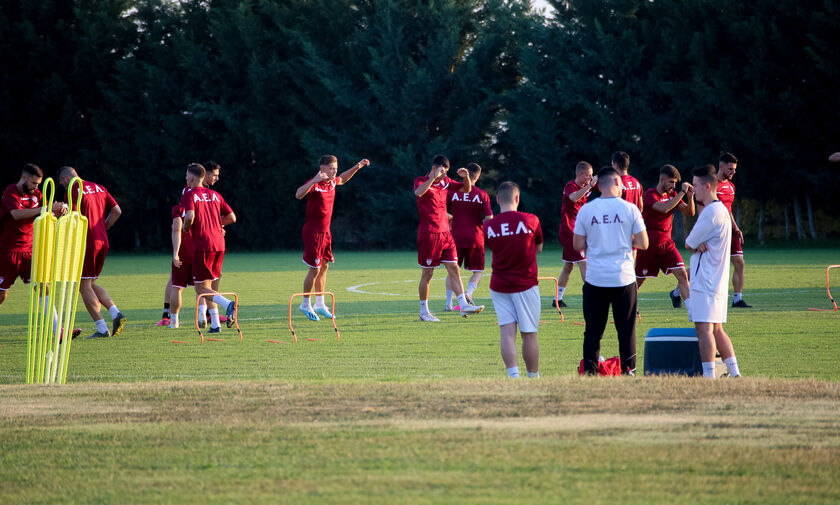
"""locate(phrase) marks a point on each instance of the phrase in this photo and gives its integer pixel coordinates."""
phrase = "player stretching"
(662, 254)
(434, 240)
(574, 196)
(317, 240)
(709, 243)
(102, 211)
(205, 212)
(727, 163)
(469, 211)
(631, 188)
(515, 239)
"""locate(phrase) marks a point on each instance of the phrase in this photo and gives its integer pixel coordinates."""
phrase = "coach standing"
(608, 228)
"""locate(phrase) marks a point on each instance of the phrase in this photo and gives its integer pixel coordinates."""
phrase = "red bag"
(610, 366)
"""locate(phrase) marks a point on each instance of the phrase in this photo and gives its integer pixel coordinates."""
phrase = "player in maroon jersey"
(631, 188)
(205, 213)
(181, 269)
(727, 164)
(468, 211)
(102, 211)
(20, 205)
(515, 238)
(434, 239)
(317, 240)
(574, 196)
(662, 254)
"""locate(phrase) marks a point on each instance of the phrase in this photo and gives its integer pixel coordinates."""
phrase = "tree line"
(130, 92)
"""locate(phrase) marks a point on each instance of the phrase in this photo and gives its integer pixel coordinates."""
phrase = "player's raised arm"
(434, 173)
(304, 190)
(347, 174)
(667, 206)
(577, 195)
(466, 180)
(687, 207)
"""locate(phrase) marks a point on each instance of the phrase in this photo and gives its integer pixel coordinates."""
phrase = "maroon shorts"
(472, 258)
(569, 253)
(94, 260)
(434, 248)
(317, 248)
(14, 264)
(737, 250)
(207, 266)
(182, 275)
(663, 256)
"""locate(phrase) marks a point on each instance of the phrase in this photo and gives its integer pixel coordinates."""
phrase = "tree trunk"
(797, 214)
(761, 222)
(787, 223)
(810, 208)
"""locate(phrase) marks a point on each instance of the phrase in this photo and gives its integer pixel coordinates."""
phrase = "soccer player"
(182, 262)
(102, 211)
(205, 213)
(317, 240)
(21, 204)
(469, 211)
(631, 188)
(727, 164)
(662, 254)
(515, 238)
(434, 239)
(574, 197)
(211, 177)
(710, 243)
(609, 228)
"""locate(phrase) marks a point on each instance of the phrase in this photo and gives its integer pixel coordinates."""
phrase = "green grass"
(399, 411)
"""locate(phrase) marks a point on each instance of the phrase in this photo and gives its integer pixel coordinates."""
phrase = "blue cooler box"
(672, 351)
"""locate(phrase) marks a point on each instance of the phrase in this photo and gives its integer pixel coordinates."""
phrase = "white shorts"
(522, 308)
(705, 308)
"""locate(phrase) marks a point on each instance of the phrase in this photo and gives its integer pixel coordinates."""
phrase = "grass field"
(419, 413)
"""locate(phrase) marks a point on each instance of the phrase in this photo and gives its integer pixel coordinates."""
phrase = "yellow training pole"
(42, 241)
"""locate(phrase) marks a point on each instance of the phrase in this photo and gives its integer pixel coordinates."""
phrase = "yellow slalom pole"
(43, 236)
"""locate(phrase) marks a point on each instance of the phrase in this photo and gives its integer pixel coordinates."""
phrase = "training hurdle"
(314, 293)
(556, 287)
(828, 290)
(203, 316)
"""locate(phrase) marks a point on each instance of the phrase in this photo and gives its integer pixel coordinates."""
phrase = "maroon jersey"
(513, 237)
(319, 206)
(468, 212)
(432, 205)
(631, 190)
(206, 230)
(658, 224)
(96, 202)
(569, 209)
(726, 194)
(185, 252)
(16, 235)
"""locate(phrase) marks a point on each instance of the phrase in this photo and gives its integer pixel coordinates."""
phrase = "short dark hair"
(581, 166)
(63, 169)
(33, 169)
(327, 159)
(671, 171)
(607, 171)
(507, 190)
(727, 158)
(621, 160)
(441, 160)
(197, 169)
(706, 173)
(211, 166)
(474, 169)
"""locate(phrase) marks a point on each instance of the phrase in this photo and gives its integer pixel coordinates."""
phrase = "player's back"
(631, 190)
(206, 229)
(96, 202)
(512, 237)
(468, 211)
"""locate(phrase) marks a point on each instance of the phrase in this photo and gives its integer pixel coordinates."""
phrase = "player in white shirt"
(710, 244)
(609, 228)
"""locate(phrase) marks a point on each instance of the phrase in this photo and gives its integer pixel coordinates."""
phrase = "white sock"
(533, 375)
(101, 327)
(513, 372)
(202, 311)
(221, 300)
(736, 298)
(449, 297)
(462, 300)
(114, 311)
(676, 291)
(173, 318)
(424, 306)
(471, 287)
(306, 303)
(214, 318)
(709, 369)
(319, 301)
(732, 365)
(560, 292)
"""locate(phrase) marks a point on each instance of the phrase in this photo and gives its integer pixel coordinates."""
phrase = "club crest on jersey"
(465, 197)
(504, 230)
(317, 261)
(428, 261)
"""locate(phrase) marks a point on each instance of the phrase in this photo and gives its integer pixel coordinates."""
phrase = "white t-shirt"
(609, 225)
(710, 269)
